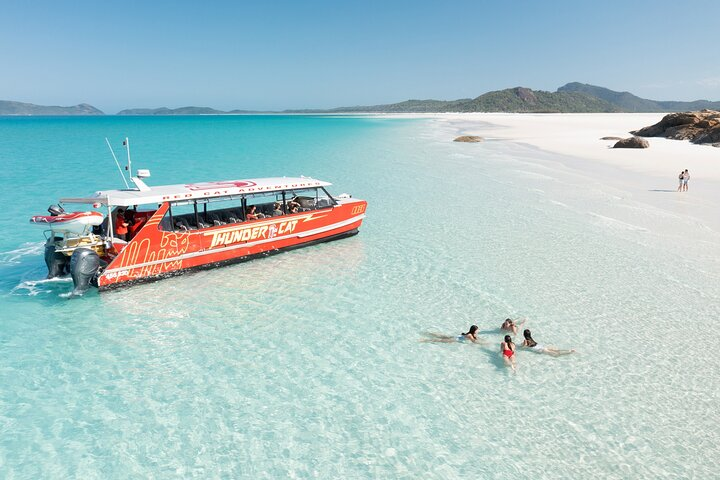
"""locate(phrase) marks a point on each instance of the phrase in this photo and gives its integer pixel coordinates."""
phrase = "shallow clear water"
(308, 365)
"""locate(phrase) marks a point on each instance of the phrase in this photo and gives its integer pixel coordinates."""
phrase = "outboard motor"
(55, 210)
(84, 265)
(56, 262)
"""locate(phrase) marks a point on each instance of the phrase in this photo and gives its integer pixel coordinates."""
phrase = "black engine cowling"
(57, 263)
(84, 266)
(55, 210)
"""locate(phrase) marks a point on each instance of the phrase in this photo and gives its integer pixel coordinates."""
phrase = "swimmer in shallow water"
(510, 325)
(531, 344)
(469, 336)
(507, 347)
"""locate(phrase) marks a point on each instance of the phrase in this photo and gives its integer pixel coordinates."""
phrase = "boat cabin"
(205, 205)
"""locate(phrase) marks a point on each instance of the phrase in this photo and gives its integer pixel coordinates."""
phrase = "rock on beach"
(468, 139)
(632, 142)
(701, 127)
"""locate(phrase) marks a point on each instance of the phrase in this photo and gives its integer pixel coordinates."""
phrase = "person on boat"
(250, 213)
(129, 217)
(277, 209)
(136, 223)
(469, 336)
(510, 325)
(531, 344)
(507, 347)
(121, 225)
(293, 206)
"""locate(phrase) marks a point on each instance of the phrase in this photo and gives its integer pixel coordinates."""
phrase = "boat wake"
(22, 271)
(29, 249)
(37, 287)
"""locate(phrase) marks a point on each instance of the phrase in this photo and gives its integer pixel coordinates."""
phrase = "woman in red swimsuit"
(507, 348)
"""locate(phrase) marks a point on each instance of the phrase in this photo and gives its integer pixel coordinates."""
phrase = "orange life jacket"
(120, 225)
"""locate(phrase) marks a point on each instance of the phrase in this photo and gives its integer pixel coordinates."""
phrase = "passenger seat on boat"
(215, 219)
(267, 209)
(182, 225)
(306, 204)
(102, 228)
(233, 216)
(165, 224)
(225, 215)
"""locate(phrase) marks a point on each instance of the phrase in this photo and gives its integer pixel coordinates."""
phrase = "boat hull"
(155, 254)
(225, 263)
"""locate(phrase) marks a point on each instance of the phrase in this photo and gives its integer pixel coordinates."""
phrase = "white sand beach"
(648, 175)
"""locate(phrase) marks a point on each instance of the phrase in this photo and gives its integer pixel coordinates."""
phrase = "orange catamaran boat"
(152, 232)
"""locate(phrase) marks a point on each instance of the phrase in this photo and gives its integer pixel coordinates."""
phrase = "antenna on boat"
(126, 144)
(127, 185)
(141, 173)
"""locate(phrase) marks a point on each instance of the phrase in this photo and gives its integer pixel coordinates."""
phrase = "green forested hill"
(627, 102)
(517, 99)
(525, 100)
(20, 108)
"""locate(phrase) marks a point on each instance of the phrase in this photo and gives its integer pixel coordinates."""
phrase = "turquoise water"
(308, 364)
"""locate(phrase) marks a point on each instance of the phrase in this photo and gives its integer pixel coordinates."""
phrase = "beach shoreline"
(648, 175)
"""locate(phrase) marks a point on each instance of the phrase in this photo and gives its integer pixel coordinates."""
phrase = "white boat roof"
(190, 191)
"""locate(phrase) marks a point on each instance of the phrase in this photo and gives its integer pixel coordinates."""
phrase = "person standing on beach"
(681, 177)
(686, 177)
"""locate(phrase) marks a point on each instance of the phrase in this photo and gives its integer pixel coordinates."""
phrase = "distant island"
(19, 108)
(182, 111)
(518, 99)
(627, 102)
(570, 98)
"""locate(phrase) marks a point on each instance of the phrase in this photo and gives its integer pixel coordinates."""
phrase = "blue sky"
(295, 54)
